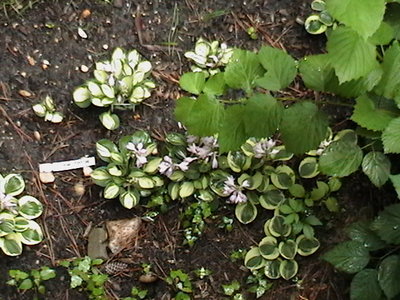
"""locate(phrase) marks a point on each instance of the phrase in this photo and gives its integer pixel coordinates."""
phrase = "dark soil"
(48, 31)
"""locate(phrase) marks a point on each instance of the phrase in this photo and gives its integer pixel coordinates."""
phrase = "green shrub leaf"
(361, 232)
(350, 55)
(193, 82)
(377, 167)
(316, 72)
(280, 66)
(242, 70)
(395, 179)
(364, 16)
(233, 133)
(300, 139)
(391, 137)
(365, 286)
(183, 109)
(387, 224)
(340, 158)
(350, 257)
(383, 35)
(389, 274)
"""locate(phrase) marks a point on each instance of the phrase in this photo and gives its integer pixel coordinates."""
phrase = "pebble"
(82, 33)
(79, 189)
(46, 177)
(87, 171)
(105, 47)
(85, 13)
(148, 278)
(37, 135)
(84, 68)
(25, 93)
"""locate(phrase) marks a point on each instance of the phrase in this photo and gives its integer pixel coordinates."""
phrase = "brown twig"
(20, 132)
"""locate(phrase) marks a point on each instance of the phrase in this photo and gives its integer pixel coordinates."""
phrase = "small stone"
(82, 33)
(46, 177)
(85, 13)
(25, 93)
(105, 47)
(87, 171)
(79, 189)
(31, 60)
(97, 243)
(84, 68)
(23, 74)
(122, 233)
(118, 3)
(148, 278)
(37, 136)
(45, 67)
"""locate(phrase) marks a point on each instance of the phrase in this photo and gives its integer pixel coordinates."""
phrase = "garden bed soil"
(42, 54)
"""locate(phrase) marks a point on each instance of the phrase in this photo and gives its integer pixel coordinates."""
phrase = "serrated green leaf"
(193, 82)
(369, 115)
(377, 167)
(395, 179)
(365, 286)
(280, 66)
(350, 257)
(363, 16)
(390, 83)
(340, 158)
(215, 85)
(387, 224)
(316, 72)
(361, 232)
(183, 109)
(233, 133)
(391, 137)
(262, 115)
(350, 55)
(389, 274)
(392, 17)
(205, 116)
(242, 70)
(383, 35)
(308, 136)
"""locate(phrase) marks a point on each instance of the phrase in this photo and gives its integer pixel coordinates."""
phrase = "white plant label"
(67, 165)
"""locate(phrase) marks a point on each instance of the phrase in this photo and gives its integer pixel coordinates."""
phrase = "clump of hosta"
(209, 56)
(120, 83)
(17, 214)
(47, 110)
(319, 21)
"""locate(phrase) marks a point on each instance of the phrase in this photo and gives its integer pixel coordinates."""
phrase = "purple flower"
(167, 166)
(140, 153)
(233, 191)
(6, 203)
(264, 147)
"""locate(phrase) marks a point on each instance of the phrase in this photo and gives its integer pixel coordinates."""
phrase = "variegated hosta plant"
(47, 110)
(209, 56)
(120, 83)
(17, 214)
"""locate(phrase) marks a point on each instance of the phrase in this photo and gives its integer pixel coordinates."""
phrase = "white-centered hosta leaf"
(363, 16)
(377, 167)
(109, 120)
(350, 54)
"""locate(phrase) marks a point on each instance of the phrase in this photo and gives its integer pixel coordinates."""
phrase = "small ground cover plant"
(119, 83)
(47, 110)
(17, 214)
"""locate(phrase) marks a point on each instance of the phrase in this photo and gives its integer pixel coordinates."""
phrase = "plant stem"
(322, 102)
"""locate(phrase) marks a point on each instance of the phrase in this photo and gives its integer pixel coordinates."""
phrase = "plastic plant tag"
(67, 165)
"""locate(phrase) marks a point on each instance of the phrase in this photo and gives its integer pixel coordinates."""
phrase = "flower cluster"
(234, 191)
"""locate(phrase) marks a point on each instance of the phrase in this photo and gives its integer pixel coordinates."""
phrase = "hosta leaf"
(280, 66)
(387, 224)
(242, 70)
(30, 207)
(268, 247)
(391, 137)
(246, 212)
(308, 167)
(350, 55)
(11, 244)
(361, 232)
(340, 158)
(389, 274)
(262, 115)
(307, 246)
(278, 227)
(288, 249)
(232, 134)
(377, 167)
(205, 116)
(389, 86)
(308, 136)
(253, 259)
(13, 184)
(288, 269)
(350, 257)
(364, 16)
(109, 120)
(271, 269)
(365, 286)
(369, 115)
(193, 82)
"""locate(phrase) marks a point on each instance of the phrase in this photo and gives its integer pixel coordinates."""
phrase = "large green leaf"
(303, 127)
(205, 116)
(350, 55)
(368, 114)
(183, 109)
(349, 257)
(392, 17)
(390, 83)
(391, 137)
(193, 82)
(361, 232)
(395, 179)
(377, 167)
(340, 158)
(262, 115)
(242, 70)
(389, 274)
(233, 133)
(280, 66)
(364, 16)
(317, 72)
(387, 224)
(365, 286)
(383, 35)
